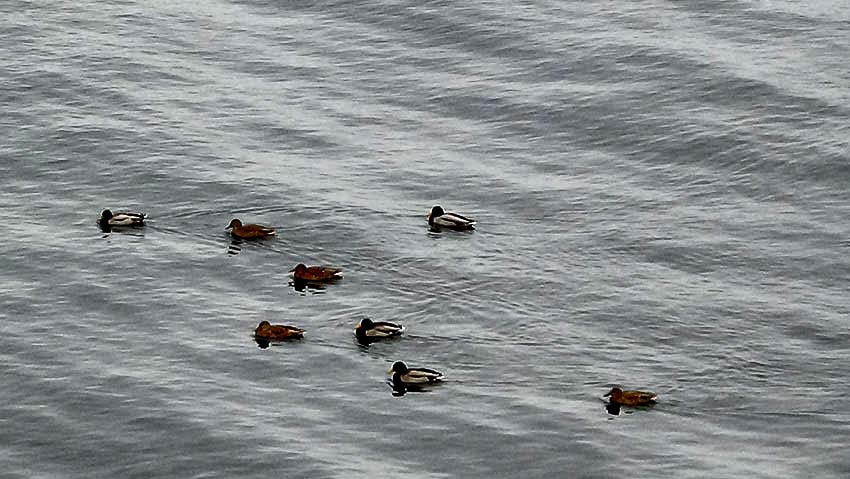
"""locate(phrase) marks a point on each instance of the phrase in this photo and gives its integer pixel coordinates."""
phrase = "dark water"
(662, 197)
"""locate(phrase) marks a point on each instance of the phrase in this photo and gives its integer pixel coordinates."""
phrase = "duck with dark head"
(109, 220)
(405, 378)
(439, 219)
(368, 331)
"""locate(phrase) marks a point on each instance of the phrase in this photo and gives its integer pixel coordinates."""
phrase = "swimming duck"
(405, 376)
(277, 332)
(440, 219)
(120, 218)
(631, 398)
(315, 273)
(249, 231)
(368, 330)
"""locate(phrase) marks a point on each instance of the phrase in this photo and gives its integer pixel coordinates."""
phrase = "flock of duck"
(402, 378)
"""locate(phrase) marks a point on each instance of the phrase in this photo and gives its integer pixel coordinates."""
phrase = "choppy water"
(662, 197)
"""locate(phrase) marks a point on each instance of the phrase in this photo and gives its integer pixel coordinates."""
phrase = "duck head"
(614, 393)
(399, 367)
(436, 211)
(234, 223)
(106, 215)
(365, 323)
(263, 326)
(299, 268)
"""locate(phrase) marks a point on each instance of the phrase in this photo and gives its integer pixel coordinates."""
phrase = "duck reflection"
(123, 230)
(613, 409)
(398, 388)
(235, 246)
(305, 287)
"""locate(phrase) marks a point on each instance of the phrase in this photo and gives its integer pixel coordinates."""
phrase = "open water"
(663, 203)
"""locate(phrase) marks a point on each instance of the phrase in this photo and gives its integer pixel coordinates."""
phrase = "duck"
(404, 376)
(438, 218)
(631, 398)
(315, 273)
(249, 231)
(368, 330)
(120, 218)
(277, 332)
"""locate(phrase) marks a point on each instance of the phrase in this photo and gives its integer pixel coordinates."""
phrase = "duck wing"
(124, 218)
(454, 220)
(638, 397)
(384, 329)
(279, 331)
(257, 230)
(422, 375)
(318, 273)
(647, 397)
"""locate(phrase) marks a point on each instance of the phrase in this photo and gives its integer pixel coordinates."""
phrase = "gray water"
(662, 197)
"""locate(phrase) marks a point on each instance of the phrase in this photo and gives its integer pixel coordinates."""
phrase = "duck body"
(249, 231)
(368, 330)
(315, 273)
(405, 376)
(631, 398)
(120, 218)
(438, 219)
(277, 332)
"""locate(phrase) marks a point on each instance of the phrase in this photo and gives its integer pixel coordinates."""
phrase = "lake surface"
(662, 198)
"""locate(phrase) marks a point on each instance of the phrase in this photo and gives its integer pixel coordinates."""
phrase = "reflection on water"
(615, 409)
(137, 230)
(437, 232)
(127, 231)
(365, 341)
(400, 388)
(264, 343)
(305, 287)
(235, 246)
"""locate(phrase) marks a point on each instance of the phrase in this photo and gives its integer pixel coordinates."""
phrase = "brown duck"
(277, 332)
(249, 231)
(315, 273)
(631, 398)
